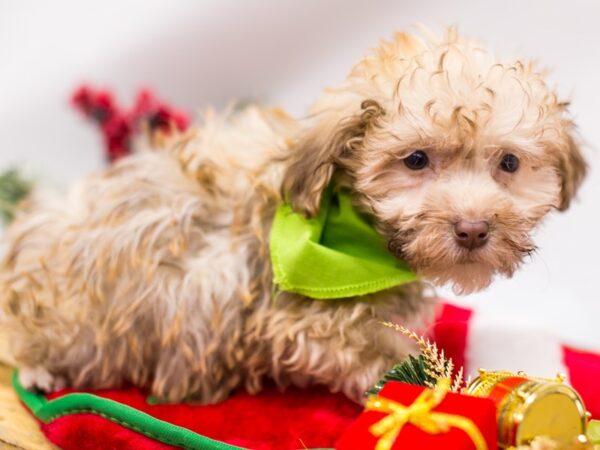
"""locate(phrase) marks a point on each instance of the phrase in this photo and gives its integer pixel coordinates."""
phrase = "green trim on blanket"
(126, 416)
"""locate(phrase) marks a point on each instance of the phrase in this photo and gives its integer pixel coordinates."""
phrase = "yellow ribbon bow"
(419, 414)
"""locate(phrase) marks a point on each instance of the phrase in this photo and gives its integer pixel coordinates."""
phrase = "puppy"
(157, 272)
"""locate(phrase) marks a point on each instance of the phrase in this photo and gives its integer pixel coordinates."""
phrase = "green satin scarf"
(336, 254)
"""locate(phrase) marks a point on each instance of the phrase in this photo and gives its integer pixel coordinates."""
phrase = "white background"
(196, 53)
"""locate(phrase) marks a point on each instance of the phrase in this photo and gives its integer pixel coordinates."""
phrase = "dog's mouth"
(455, 255)
(438, 257)
(469, 257)
(401, 249)
(463, 256)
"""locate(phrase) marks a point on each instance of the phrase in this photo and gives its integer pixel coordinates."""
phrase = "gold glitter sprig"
(435, 364)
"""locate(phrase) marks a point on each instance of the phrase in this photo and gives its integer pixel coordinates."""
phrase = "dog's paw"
(39, 379)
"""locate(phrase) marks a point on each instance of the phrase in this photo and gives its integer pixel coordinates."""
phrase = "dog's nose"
(471, 234)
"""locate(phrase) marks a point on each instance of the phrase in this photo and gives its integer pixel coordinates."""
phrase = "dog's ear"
(572, 168)
(320, 150)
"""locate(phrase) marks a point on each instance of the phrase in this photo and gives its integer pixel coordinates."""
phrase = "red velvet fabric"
(481, 411)
(450, 332)
(92, 432)
(271, 420)
(584, 376)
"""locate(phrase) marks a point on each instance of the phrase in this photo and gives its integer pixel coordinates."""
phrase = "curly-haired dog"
(156, 272)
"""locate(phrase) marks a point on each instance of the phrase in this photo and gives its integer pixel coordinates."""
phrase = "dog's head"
(458, 156)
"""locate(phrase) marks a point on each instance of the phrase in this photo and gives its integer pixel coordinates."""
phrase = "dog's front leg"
(339, 343)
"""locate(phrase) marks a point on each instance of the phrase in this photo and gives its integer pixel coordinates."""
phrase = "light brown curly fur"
(156, 272)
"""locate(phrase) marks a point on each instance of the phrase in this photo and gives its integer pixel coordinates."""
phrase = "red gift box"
(420, 422)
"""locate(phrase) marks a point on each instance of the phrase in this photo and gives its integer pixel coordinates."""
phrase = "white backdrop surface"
(196, 53)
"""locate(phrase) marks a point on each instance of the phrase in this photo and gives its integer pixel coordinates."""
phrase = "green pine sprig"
(413, 370)
(14, 187)
(424, 370)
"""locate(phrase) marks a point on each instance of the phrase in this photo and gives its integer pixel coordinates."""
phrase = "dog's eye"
(509, 163)
(416, 160)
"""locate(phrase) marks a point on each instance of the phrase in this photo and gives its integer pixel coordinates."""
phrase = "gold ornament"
(529, 407)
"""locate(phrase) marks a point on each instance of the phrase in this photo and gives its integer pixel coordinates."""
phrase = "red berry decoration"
(119, 126)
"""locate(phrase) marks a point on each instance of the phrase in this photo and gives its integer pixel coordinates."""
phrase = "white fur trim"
(512, 343)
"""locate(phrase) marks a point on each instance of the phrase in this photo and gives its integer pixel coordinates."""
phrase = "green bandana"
(333, 255)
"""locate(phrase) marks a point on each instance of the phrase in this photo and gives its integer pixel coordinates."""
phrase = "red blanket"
(294, 419)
